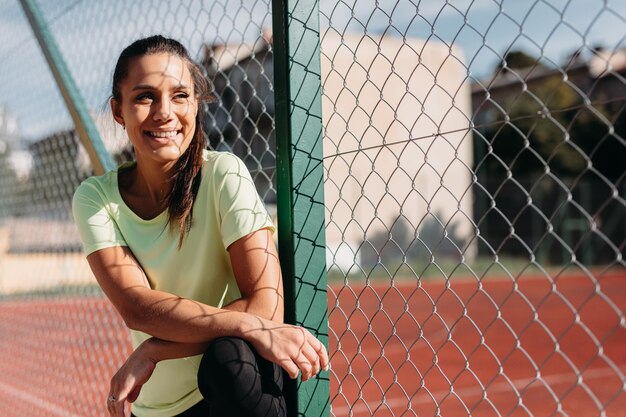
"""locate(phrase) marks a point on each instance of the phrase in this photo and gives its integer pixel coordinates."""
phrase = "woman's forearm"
(158, 350)
(185, 325)
(169, 317)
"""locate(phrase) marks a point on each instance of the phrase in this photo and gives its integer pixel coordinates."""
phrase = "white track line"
(42, 404)
(555, 379)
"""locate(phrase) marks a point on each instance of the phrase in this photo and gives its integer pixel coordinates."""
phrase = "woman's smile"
(165, 136)
(162, 133)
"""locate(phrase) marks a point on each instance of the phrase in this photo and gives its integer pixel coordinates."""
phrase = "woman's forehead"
(157, 69)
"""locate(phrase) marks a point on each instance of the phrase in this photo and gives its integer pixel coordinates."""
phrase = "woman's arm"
(138, 368)
(160, 314)
(169, 317)
(257, 270)
(177, 319)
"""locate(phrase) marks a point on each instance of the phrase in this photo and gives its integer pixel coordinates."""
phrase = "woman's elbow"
(134, 308)
(132, 318)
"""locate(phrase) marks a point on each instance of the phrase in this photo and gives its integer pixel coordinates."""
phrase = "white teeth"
(168, 134)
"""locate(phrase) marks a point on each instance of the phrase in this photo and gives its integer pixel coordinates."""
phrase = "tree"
(516, 60)
(536, 131)
(553, 136)
(539, 123)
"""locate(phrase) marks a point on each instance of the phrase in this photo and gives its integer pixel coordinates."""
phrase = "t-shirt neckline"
(116, 187)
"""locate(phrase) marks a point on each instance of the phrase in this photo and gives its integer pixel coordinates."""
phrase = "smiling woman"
(157, 106)
(203, 298)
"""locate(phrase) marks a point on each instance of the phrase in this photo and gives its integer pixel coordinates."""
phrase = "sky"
(91, 33)
(485, 29)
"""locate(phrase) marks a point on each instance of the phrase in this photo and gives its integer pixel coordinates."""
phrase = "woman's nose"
(162, 110)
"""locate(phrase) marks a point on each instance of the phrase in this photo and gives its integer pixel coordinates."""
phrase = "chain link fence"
(62, 341)
(474, 185)
(475, 182)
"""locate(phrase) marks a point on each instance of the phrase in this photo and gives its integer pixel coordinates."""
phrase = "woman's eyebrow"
(150, 87)
(143, 87)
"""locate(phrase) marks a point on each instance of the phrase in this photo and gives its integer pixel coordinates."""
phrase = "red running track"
(535, 348)
(531, 348)
(57, 356)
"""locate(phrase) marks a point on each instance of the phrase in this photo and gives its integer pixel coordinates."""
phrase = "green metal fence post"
(300, 184)
(100, 158)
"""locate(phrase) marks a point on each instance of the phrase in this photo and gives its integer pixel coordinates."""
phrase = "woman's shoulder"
(98, 186)
(220, 162)
(93, 183)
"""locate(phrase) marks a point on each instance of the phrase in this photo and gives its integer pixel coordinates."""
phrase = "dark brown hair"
(187, 175)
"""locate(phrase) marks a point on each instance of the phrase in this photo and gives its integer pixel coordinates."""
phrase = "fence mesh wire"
(61, 341)
(474, 157)
(475, 206)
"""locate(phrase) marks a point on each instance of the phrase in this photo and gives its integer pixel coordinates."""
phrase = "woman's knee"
(228, 356)
(222, 361)
(231, 362)
(233, 376)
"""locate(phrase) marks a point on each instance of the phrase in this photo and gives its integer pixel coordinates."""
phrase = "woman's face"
(158, 107)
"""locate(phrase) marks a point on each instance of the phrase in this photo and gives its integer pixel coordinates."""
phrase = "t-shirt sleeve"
(241, 209)
(96, 227)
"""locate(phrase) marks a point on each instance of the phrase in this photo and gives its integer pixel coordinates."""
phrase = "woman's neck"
(151, 183)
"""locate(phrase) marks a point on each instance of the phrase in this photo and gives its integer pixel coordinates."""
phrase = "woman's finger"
(290, 367)
(112, 406)
(111, 399)
(313, 359)
(118, 396)
(322, 353)
(119, 408)
(303, 363)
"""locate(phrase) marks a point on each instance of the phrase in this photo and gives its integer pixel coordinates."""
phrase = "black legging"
(236, 382)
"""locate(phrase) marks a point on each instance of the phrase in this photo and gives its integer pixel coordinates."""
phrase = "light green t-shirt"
(226, 208)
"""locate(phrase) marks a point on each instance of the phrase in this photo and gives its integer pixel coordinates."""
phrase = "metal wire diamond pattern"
(485, 336)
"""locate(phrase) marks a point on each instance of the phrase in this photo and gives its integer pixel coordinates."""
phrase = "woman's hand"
(128, 380)
(293, 348)
(255, 264)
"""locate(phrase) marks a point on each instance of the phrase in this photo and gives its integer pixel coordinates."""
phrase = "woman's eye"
(144, 97)
(181, 96)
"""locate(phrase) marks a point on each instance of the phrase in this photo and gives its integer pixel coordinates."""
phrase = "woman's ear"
(116, 110)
